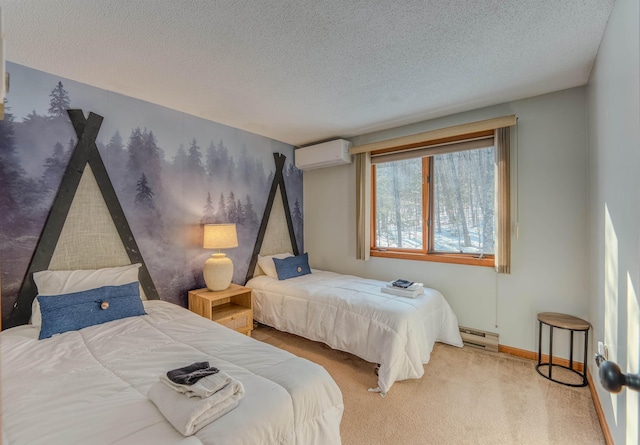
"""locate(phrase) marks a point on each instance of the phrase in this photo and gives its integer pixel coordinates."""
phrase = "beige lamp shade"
(220, 236)
(218, 269)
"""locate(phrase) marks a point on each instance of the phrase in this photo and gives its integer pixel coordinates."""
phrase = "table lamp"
(218, 269)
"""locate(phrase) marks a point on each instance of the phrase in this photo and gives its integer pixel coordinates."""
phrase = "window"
(435, 203)
(436, 200)
(463, 202)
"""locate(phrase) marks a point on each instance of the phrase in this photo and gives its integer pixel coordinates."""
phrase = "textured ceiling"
(301, 71)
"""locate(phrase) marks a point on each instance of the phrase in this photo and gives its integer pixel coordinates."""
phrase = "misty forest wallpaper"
(172, 173)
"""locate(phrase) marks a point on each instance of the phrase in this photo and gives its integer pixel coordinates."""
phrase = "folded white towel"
(414, 286)
(205, 387)
(189, 414)
(402, 292)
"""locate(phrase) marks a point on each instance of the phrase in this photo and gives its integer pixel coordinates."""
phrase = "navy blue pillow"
(293, 266)
(71, 312)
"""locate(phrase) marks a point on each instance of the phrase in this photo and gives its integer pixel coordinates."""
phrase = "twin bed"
(90, 386)
(352, 314)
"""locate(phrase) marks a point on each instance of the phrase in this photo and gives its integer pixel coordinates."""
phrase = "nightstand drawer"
(237, 321)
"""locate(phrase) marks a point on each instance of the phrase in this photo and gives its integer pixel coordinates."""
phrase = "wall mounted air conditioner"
(326, 154)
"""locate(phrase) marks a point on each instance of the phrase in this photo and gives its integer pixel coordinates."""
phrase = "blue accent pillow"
(74, 311)
(293, 266)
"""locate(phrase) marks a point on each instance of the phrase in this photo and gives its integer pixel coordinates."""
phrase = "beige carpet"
(467, 396)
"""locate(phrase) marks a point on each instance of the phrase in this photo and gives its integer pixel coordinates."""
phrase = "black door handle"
(612, 379)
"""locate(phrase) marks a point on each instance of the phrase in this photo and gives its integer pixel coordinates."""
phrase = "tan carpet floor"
(466, 396)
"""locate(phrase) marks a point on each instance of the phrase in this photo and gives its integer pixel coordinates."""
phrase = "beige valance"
(433, 150)
(422, 139)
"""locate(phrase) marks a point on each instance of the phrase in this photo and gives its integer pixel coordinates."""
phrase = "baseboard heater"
(479, 339)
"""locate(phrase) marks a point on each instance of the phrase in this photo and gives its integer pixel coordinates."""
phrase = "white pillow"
(58, 282)
(267, 266)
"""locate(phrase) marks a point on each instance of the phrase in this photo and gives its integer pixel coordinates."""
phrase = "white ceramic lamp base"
(218, 272)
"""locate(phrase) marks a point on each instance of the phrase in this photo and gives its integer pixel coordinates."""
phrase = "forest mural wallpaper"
(172, 173)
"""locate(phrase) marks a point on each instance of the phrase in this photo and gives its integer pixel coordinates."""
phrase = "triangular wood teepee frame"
(278, 180)
(85, 152)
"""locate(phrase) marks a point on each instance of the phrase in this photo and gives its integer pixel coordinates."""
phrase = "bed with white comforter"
(90, 386)
(351, 314)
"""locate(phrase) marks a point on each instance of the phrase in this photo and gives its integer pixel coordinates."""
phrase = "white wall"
(549, 260)
(613, 96)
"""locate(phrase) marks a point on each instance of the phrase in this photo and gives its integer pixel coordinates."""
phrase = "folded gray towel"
(189, 375)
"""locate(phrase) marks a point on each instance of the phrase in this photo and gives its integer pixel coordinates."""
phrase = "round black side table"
(572, 324)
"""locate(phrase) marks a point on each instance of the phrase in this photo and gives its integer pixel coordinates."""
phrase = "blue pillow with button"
(293, 266)
(74, 311)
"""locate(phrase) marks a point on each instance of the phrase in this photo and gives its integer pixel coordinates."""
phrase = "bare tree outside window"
(399, 204)
(463, 202)
(460, 214)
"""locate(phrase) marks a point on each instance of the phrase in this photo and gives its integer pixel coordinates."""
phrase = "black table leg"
(584, 367)
(539, 343)
(571, 352)
(550, 350)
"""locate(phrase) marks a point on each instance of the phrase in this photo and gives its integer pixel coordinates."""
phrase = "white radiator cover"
(326, 154)
(479, 339)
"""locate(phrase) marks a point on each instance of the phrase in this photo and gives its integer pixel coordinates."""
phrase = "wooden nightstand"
(232, 307)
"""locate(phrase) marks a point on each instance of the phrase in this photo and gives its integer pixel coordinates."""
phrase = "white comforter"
(351, 314)
(90, 386)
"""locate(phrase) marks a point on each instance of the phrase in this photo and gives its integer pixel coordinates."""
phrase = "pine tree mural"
(22, 212)
(144, 197)
(54, 167)
(239, 213)
(221, 214)
(26, 193)
(12, 263)
(59, 103)
(250, 216)
(160, 197)
(246, 166)
(211, 160)
(7, 203)
(71, 145)
(115, 157)
(259, 176)
(35, 122)
(135, 148)
(194, 160)
(10, 176)
(208, 212)
(231, 170)
(180, 160)
(223, 156)
(147, 224)
(232, 211)
(153, 165)
(144, 157)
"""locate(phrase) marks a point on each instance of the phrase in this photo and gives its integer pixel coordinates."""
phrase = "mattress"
(352, 314)
(90, 386)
